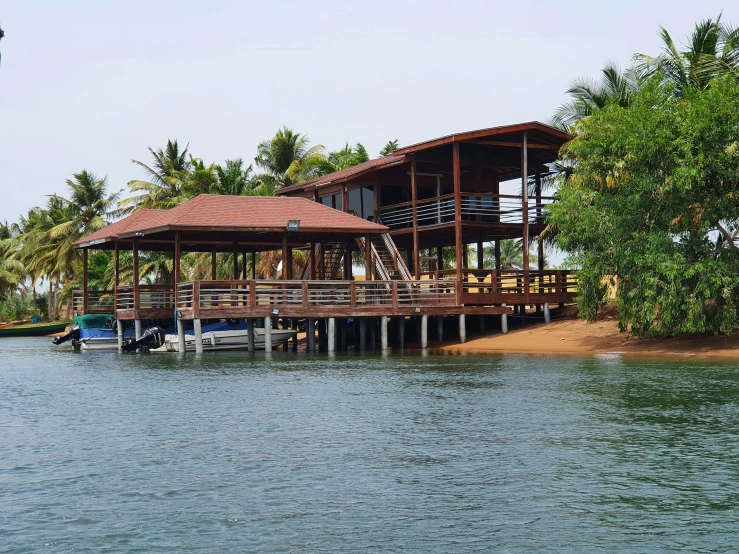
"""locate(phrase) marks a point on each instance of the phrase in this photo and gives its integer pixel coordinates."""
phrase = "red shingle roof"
(213, 213)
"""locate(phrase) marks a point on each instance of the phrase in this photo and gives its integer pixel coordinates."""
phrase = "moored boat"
(33, 330)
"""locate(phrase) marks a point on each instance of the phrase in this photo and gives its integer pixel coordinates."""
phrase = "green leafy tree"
(650, 201)
(346, 157)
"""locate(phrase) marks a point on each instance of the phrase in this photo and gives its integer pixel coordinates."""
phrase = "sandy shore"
(577, 337)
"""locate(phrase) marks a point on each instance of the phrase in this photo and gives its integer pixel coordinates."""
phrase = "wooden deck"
(481, 292)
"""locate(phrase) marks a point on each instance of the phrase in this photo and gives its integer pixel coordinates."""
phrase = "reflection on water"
(404, 453)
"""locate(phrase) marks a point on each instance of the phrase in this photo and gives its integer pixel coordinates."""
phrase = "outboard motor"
(153, 337)
(73, 335)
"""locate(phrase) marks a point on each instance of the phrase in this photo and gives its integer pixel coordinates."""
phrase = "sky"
(90, 84)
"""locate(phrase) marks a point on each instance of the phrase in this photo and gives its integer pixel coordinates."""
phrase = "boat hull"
(226, 340)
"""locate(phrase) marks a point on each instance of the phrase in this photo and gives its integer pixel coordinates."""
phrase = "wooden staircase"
(331, 260)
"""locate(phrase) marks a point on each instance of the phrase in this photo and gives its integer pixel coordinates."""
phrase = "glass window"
(354, 199)
(368, 203)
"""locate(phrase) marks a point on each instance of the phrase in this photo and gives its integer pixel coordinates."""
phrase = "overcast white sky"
(90, 84)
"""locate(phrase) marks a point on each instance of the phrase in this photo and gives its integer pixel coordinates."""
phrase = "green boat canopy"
(93, 321)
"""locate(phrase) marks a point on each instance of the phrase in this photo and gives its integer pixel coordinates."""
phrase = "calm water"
(234, 453)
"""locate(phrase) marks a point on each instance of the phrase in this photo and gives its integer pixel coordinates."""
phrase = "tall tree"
(288, 158)
(163, 189)
(651, 190)
(587, 95)
(346, 157)
(390, 147)
(712, 50)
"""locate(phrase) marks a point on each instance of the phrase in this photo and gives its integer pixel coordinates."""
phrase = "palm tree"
(390, 147)
(713, 49)
(11, 268)
(164, 187)
(511, 255)
(615, 87)
(288, 158)
(346, 157)
(233, 178)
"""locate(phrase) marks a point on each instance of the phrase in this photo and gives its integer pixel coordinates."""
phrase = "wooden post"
(136, 303)
(312, 261)
(414, 207)
(525, 206)
(289, 262)
(84, 281)
(243, 261)
(497, 255)
(480, 256)
(322, 262)
(439, 261)
(213, 264)
(367, 258)
(236, 262)
(457, 171)
(253, 265)
(116, 276)
(284, 257)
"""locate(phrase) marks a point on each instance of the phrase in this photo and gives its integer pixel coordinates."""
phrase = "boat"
(33, 330)
(93, 332)
(226, 339)
(98, 332)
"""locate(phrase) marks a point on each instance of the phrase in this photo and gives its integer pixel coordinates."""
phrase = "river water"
(233, 452)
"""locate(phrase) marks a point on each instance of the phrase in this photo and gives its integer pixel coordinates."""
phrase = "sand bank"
(577, 337)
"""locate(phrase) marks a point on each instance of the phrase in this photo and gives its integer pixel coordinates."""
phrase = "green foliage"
(651, 200)
(390, 147)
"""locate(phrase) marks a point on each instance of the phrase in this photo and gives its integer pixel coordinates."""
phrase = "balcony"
(475, 207)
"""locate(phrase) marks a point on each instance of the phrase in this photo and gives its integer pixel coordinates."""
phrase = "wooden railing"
(228, 298)
(159, 297)
(98, 302)
(478, 206)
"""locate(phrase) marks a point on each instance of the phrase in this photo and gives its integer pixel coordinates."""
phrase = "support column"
(311, 329)
(457, 171)
(116, 278)
(497, 256)
(136, 298)
(368, 258)
(331, 332)
(462, 329)
(137, 328)
(198, 336)
(84, 283)
(120, 325)
(504, 322)
(481, 319)
(213, 264)
(414, 209)
(383, 333)
(373, 333)
(480, 256)
(440, 328)
(181, 336)
(525, 215)
(547, 315)
(343, 331)
(268, 334)
(424, 332)
(401, 332)
(253, 266)
(250, 335)
(362, 334)
(312, 261)
(236, 261)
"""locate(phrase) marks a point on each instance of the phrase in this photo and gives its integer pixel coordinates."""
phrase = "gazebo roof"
(244, 219)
